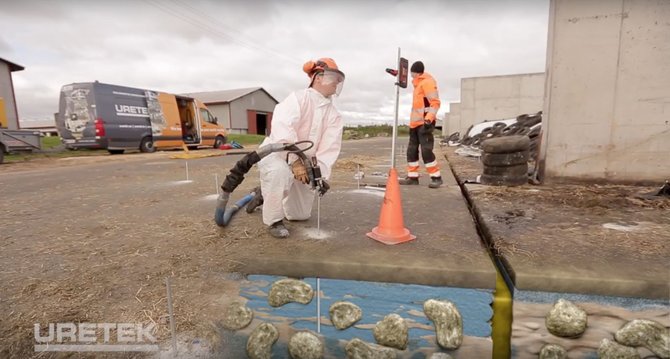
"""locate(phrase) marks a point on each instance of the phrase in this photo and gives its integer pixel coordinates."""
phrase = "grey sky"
(191, 46)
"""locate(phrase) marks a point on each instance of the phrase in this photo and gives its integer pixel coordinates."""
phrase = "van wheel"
(218, 141)
(147, 145)
(2, 153)
(115, 152)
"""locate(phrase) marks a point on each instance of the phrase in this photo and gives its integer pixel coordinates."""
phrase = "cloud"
(191, 46)
(4, 46)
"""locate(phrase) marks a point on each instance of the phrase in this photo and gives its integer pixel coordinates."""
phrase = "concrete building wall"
(467, 106)
(258, 101)
(498, 97)
(446, 125)
(7, 95)
(607, 105)
(455, 117)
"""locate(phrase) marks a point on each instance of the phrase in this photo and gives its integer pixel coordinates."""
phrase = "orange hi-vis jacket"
(426, 100)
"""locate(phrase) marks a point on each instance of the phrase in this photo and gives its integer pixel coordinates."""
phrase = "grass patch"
(357, 132)
(28, 156)
(350, 132)
(50, 142)
(52, 147)
(246, 139)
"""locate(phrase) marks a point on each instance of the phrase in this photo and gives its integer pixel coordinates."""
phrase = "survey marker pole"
(391, 229)
(401, 74)
(395, 120)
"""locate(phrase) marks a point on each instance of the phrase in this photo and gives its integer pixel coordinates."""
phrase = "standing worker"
(306, 114)
(425, 104)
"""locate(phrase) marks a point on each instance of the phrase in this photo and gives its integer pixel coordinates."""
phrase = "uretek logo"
(131, 111)
(95, 337)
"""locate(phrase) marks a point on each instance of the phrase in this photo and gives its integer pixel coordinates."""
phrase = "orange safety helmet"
(312, 68)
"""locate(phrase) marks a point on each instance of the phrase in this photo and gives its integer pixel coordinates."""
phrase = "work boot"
(256, 201)
(435, 182)
(409, 181)
(278, 230)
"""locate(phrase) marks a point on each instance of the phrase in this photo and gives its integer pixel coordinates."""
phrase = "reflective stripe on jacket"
(426, 101)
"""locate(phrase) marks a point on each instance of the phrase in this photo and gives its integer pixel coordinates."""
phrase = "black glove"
(428, 126)
(323, 188)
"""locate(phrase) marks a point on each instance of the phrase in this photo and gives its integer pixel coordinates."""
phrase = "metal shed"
(9, 117)
(246, 110)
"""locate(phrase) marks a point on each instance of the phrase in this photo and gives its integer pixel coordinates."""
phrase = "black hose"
(223, 215)
(236, 175)
(293, 148)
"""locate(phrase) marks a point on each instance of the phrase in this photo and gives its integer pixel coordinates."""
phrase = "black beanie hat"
(417, 67)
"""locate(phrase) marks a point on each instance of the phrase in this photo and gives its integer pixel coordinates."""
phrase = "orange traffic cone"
(391, 228)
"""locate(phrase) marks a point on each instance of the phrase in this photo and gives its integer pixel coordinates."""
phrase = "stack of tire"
(526, 125)
(505, 160)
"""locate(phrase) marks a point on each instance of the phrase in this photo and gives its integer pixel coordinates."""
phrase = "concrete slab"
(447, 251)
(576, 238)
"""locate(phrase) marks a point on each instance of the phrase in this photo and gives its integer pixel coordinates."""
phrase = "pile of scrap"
(526, 125)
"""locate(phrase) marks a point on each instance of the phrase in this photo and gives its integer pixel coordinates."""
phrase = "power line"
(192, 9)
(192, 17)
(180, 15)
(240, 35)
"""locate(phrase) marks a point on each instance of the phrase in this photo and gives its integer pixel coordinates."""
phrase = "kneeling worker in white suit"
(306, 114)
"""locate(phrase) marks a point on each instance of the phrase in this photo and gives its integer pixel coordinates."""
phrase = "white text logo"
(95, 337)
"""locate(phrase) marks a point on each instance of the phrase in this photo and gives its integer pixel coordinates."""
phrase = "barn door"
(251, 122)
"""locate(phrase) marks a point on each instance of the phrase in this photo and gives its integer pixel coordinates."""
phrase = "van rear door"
(76, 116)
(165, 122)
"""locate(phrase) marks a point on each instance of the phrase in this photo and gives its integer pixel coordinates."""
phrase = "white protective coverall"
(303, 115)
